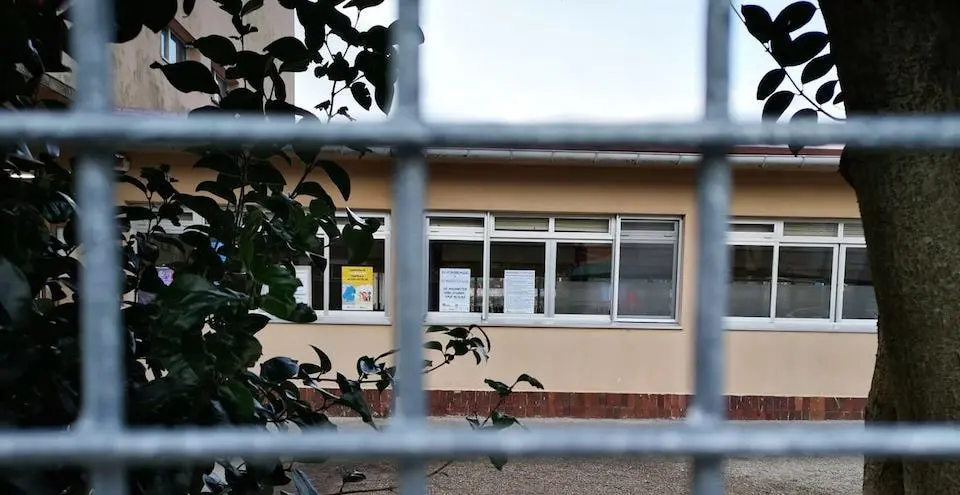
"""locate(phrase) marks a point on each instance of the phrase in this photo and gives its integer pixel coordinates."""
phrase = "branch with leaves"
(791, 51)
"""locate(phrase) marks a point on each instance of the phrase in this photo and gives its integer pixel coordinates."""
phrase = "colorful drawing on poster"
(357, 291)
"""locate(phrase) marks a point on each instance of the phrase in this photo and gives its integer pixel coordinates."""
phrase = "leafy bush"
(192, 343)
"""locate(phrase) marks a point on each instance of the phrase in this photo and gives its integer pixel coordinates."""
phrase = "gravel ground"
(606, 476)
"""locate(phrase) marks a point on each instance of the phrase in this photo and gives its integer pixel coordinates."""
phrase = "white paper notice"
(303, 293)
(519, 291)
(455, 290)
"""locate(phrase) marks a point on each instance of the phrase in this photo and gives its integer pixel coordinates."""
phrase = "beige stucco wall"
(611, 360)
(137, 86)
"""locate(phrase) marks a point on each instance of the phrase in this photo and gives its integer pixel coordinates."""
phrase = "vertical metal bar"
(410, 189)
(713, 196)
(102, 341)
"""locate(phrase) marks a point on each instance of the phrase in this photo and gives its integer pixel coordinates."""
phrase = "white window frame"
(329, 316)
(776, 239)
(550, 238)
(168, 38)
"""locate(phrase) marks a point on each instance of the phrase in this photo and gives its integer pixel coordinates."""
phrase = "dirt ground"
(606, 476)
(643, 476)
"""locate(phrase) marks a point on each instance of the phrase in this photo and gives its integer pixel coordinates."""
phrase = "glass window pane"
(360, 293)
(648, 284)
(750, 281)
(859, 300)
(521, 223)
(804, 277)
(584, 280)
(591, 225)
(811, 229)
(466, 256)
(510, 267)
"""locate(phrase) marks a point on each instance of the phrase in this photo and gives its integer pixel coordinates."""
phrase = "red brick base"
(616, 406)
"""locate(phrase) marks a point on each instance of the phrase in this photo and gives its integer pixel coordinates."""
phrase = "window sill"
(767, 325)
(340, 318)
(544, 322)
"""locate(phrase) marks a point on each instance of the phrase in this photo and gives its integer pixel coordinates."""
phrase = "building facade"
(579, 264)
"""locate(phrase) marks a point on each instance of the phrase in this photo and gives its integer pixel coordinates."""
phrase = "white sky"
(587, 60)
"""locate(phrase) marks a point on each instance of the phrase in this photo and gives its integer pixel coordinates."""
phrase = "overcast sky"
(540, 60)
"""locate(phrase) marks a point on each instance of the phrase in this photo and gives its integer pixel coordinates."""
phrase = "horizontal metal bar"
(410, 442)
(126, 131)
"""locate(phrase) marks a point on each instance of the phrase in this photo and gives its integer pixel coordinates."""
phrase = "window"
(799, 272)
(172, 48)
(343, 289)
(521, 268)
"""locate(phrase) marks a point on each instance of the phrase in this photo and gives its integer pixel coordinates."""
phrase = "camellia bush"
(192, 348)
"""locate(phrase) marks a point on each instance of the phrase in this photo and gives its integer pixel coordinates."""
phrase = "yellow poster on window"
(356, 293)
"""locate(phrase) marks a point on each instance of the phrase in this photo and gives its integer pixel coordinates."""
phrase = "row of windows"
(486, 268)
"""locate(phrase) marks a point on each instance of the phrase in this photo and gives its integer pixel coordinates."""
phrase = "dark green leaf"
(799, 51)
(838, 99)
(157, 14)
(15, 293)
(825, 91)
(264, 172)
(242, 100)
(310, 369)
(302, 483)
(302, 313)
(770, 82)
(325, 364)
(817, 68)
(354, 477)
(217, 48)
(189, 76)
(135, 213)
(501, 420)
(361, 94)
(433, 345)
(758, 22)
(133, 181)
(498, 461)
(338, 176)
(531, 380)
(458, 332)
(799, 116)
(279, 368)
(250, 7)
(204, 206)
(362, 4)
(218, 189)
(502, 389)
(776, 105)
(188, 6)
(339, 69)
(366, 365)
(288, 49)
(436, 328)
(794, 16)
(312, 189)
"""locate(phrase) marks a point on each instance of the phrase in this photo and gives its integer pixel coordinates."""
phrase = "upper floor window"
(800, 271)
(172, 48)
(487, 267)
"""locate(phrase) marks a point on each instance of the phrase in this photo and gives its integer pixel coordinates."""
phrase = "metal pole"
(713, 197)
(410, 189)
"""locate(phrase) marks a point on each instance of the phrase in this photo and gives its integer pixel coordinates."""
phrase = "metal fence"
(101, 442)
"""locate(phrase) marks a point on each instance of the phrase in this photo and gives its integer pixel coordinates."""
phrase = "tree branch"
(790, 78)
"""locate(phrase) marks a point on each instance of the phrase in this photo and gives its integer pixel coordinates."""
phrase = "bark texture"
(897, 57)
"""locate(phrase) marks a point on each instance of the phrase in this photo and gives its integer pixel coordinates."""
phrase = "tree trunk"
(897, 57)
